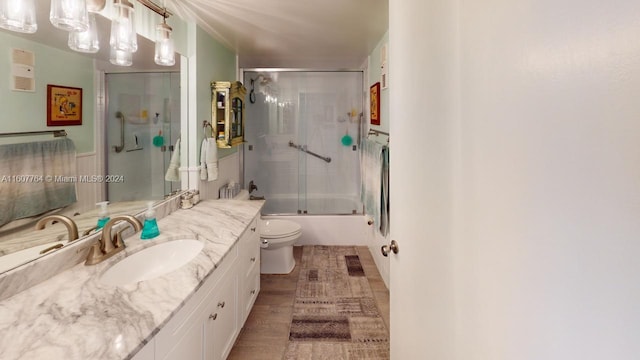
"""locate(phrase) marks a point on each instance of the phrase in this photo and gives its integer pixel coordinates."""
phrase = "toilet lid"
(279, 228)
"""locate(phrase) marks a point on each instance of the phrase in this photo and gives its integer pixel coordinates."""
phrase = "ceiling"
(291, 33)
(332, 34)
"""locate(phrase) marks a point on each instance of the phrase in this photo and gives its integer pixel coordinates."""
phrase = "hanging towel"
(38, 177)
(212, 159)
(384, 200)
(173, 173)
(203, 157)
(371, 170)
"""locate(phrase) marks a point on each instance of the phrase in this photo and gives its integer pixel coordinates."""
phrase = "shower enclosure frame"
(361, 129)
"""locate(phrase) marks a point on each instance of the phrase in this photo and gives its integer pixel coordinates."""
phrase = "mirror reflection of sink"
(18, 258)
(152, 262)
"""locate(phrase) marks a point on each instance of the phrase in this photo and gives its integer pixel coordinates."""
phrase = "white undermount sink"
(152, 262)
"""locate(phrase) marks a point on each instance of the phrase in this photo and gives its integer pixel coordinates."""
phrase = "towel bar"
(56, 133)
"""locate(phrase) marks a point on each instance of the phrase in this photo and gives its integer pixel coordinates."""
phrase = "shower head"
(264, 80)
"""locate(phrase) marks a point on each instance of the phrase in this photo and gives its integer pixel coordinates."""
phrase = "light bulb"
(18, 15)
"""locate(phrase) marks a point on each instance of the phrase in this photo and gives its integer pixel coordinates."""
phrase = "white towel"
(203, 156)
(371, 162)
(172, 171)
(212, 159)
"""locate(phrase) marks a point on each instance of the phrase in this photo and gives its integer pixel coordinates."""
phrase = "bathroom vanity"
(194, 312)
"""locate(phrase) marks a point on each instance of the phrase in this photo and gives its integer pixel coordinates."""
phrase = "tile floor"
(266, 332)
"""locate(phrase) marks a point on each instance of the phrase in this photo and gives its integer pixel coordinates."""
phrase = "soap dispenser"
(103, 215)
(150, 227)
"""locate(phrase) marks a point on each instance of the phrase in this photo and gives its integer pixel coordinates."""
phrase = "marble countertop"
(74, 316)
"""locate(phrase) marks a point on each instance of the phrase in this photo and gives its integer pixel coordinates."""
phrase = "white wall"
(549, 164)
(545, 149)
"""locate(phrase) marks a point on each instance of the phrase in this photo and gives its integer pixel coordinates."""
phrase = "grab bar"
(56, 133)
(119, 148)
(304, 149)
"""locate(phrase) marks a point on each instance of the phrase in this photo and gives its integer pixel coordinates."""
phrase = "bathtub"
(312, 205)
(328, 221)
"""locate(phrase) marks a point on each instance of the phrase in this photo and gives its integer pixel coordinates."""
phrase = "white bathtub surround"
(330, 229)
(41, 269)
(74, 316)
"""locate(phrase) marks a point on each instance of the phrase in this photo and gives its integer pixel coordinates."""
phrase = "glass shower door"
(330, 111)
(141, 126)
(296, 129)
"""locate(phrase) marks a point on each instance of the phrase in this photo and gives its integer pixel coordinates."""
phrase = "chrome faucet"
(252, 187)
(72, 228)
(107, 246)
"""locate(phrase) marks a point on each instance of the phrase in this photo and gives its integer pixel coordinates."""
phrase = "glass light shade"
(123, 30)
(69, 15)
(85, 41)
(120, 57)
(18, 15)
(165, 54)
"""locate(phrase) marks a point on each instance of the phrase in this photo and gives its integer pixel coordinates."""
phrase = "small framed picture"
(374, 92)
(64, 105)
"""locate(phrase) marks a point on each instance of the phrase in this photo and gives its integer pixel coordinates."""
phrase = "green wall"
(374, 77)
(214, 62)
(27, 111)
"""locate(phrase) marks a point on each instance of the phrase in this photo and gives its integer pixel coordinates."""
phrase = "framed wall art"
(64, 105)
(374, 95)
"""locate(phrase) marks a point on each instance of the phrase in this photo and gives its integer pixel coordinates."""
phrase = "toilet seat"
(274, 229)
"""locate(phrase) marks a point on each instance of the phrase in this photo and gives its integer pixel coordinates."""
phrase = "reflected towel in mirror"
(37, 177)
(172, 171)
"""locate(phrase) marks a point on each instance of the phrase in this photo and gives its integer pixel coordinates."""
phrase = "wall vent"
(23, 70)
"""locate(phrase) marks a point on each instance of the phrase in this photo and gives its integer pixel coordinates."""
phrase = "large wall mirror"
(131, 121)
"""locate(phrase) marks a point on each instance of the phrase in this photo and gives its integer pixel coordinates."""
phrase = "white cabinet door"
(221, 325)
(184, 336)
(189, 347)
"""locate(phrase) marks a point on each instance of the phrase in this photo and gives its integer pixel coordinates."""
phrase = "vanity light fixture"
(123, 29)
(88, 41)
(165, 54)
(18, 15)
(85, 41)
(69, 15)
(78, 17)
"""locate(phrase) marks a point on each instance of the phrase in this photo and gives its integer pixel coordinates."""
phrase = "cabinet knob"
(253, 259)
(213, 316)
(253, 291)
(253, 229)
(221, 304)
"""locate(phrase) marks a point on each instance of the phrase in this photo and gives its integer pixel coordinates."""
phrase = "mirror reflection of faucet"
(72, 228)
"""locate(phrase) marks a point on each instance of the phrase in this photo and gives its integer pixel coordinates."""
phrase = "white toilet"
(276, 241)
